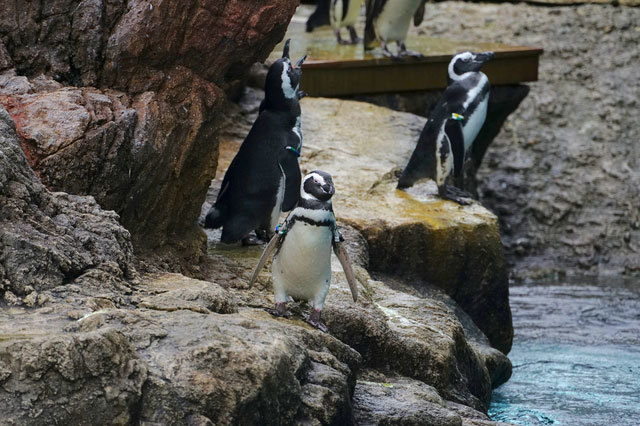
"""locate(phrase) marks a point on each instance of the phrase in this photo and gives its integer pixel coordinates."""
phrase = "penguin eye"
(316, 180)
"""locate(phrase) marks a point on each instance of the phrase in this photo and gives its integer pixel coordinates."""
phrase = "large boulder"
(47, 240)
(142, 139)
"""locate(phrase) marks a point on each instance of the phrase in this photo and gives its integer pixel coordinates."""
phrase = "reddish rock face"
(143, 138)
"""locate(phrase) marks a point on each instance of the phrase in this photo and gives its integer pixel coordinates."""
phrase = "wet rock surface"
(140, 85)
(563, 172)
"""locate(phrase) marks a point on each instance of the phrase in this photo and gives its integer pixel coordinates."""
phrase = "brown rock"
(148, 151)
(47, 240)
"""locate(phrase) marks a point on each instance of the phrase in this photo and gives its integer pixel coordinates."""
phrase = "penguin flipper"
(453, 129)
(419, 15)
(289, 163)
(273, 244)
(343, 257)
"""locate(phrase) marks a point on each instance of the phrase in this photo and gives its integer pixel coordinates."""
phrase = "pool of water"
(576, 355)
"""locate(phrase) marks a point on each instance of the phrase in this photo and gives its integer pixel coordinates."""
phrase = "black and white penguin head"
(467, 62)
(283, 79)
(317, 185)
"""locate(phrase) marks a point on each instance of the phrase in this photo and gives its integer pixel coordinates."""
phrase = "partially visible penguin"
(301, 266)
(344, 13)
(264, 177)
(452, 126)
(320, 16)
(388, 21)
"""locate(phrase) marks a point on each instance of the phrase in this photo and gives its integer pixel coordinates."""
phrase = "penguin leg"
(314, 320)
(336, 31)
(280, 310)
(403, 51)
(385, 49)
(354, 35)
(453, 194)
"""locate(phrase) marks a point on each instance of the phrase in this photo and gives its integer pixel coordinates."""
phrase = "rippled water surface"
(576, 355)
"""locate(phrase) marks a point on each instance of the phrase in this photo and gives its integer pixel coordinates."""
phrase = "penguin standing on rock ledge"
(388, 21)
(263, 179)
(344, 13)
(452, 126)
(302, 245)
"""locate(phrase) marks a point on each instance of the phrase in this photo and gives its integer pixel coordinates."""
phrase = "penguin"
(301, 265)
(452, 126)
(320, 16)
(264, 176)
(344, 13)
(388, 21)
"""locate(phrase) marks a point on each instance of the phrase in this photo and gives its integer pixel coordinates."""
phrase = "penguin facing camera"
(301, 266)
(388, 21)
(452, 127)
(344, 13)
(263, 179)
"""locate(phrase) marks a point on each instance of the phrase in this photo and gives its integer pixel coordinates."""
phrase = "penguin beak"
(483, 57)
(300, 61)
(328, 188)
(285, 51)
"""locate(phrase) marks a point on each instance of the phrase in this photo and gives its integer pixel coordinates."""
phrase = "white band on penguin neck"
(288, 91)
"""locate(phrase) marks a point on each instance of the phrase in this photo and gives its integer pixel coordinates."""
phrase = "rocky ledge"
(115, 347)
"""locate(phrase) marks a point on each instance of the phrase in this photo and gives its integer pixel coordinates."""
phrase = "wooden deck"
(335, 70)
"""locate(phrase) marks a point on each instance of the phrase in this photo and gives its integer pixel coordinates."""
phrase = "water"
(576, 355)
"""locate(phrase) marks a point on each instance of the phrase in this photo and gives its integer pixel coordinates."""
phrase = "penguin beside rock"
(263, 179)
(344, 13)
(388, 21)
(452, 127)
(301, 266)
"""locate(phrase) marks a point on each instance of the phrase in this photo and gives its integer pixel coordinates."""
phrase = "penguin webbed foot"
(314, 320)
(256, 240)
(280, 310)
(454, 194)
(403, 52)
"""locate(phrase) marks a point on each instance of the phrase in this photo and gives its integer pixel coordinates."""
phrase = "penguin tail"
(214, 219)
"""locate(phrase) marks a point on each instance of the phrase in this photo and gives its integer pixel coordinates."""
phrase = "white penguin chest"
(303, 264)
(474, 123)
(352, 13)
(393, 22)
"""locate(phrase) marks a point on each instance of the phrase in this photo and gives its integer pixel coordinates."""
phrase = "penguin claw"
(314, 320)
(317, 324)
(280, 311)
(410, 53)
(456, 195)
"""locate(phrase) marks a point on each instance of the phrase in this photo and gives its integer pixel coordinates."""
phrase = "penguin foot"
(314, 320)
(403, 51)
(454, 194)
(280, 310)
(252, 240)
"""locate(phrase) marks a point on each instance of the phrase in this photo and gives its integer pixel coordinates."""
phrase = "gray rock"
(46, 239)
